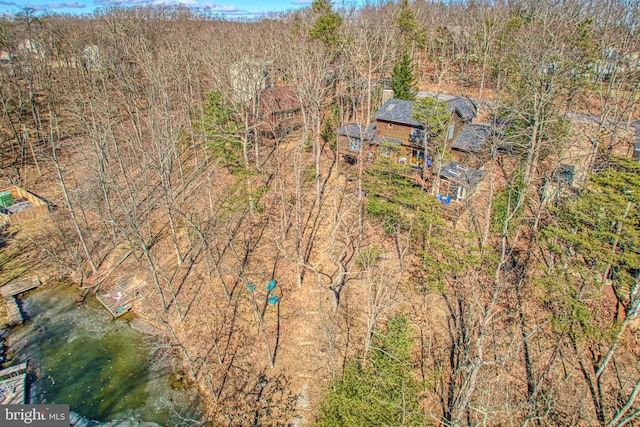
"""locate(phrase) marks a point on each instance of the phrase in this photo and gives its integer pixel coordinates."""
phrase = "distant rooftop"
(276, 99)
(472, 137)
(442, 97)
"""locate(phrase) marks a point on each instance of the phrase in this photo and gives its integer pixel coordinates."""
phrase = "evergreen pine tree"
(403, 82)
(410, 31)
(380, 392)
(327, 25)
(222, 128)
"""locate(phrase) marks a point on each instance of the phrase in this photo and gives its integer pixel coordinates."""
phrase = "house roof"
(275, 99)
(463, 175)
(353, 130)
(442, 97)
(472, 138)
(465, 107)
(397, 111)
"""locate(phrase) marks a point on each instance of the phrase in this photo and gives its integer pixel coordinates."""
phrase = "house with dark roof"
(458, 182)
(279, 111)
(471, 144)
(396, 135)
(395, 124)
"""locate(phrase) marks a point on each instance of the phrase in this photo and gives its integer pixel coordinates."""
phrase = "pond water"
(103, 368)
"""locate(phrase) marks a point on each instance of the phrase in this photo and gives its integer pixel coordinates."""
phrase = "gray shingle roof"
(465, 107)
(442, 97)
(472, 138)
(397, 111)
(353, 130)
(463, 175)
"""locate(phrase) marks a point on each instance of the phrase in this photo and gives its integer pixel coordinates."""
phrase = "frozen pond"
(104, 369)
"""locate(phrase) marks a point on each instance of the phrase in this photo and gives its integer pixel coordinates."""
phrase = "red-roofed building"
(279, 111)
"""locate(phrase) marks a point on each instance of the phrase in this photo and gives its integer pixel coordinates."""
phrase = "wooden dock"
(13, 385)
(10, 290)
(16, 287)
(118, 299)
(15, 315)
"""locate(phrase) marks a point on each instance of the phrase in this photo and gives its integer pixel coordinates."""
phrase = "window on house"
(291, 114)
(451, 129)
(417, 158)
(354, 144)
(417, 135)
(390, 125)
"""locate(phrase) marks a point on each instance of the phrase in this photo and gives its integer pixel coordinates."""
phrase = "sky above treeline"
(230, 9)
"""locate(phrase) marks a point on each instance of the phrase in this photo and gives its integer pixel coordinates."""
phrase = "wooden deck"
(10, 290)
(114, 305)
(19, 286)
(15, 315)
(118, 298)
(13, 385)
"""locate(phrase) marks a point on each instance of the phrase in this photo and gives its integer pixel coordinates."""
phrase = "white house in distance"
(248, 80)
(92, 57)
(31, 47)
